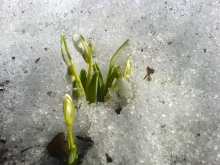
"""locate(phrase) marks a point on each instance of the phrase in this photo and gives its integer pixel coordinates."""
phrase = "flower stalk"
(68, 111)
(69, 62)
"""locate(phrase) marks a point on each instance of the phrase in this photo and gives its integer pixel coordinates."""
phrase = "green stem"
(70, 136)
(75, 74)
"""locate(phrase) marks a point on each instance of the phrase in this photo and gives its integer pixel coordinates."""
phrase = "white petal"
(78, 43)
(124, 88)
(69, 79)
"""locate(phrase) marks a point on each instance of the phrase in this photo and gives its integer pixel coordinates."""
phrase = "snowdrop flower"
(69, 79)
(68, 110)
(65, 52)
(81, 46)
(78, 43)
(124, 88)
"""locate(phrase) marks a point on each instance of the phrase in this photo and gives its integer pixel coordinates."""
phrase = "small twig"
(30, 148)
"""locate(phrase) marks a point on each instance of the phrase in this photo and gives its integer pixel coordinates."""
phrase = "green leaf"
(112, 64)
(83, 78)
(100, 97)
(127, 68)
(91, 95)
(76, 92)
(111, 80)
(96, 68)
(118, 53)
(73, 158)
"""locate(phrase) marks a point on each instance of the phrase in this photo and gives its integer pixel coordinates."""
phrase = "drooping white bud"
(78, 43)
(124, 88)
(69, 79)
(64, 50)
(81, 46)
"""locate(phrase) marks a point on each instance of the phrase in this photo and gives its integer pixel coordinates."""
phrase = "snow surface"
(172, 119)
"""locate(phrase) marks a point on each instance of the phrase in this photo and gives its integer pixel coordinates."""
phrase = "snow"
(172, 119)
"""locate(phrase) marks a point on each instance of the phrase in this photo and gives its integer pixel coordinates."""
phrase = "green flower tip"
(91, 46)
(68, 110)
(117, 71)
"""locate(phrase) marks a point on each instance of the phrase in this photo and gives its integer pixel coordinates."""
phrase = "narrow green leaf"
(127, 68)
(118, 53)
(91, 95)
(109, 84)
(96, 66)
(76, 91)
(73, 157)
(83, 78)
(112, 64)
(100, 96)
(111, 80)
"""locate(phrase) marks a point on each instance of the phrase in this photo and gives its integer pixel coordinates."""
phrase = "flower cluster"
(91, 83)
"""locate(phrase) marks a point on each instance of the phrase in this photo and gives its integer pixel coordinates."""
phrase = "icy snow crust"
(173, 119)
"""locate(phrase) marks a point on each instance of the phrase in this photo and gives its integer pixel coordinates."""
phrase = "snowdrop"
(82, 47)
(71, 70)
(90, 83)
(123, 85)
(86, 50)
(65, 52)
(69, 79)
(68, 110)
(124, 88)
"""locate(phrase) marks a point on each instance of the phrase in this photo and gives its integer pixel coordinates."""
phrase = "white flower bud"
(68, 110)
(69, 79)
(124, 88)
(77, 42)
(81, 46)
(64, 51)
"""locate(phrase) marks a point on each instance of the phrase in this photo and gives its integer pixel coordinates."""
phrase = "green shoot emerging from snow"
(90, 83)
(68, 112)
